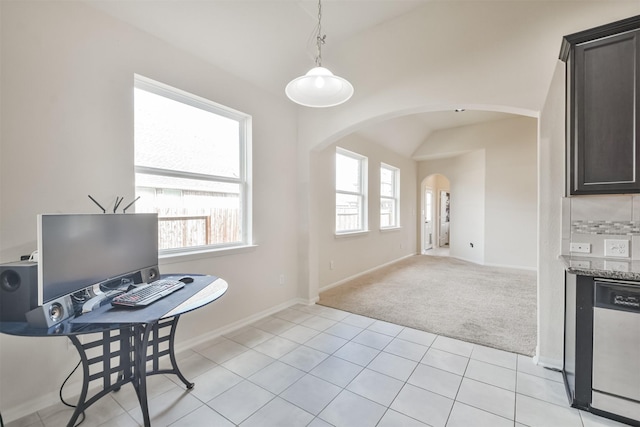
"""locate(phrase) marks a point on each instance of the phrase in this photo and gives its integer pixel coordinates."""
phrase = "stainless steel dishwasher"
(616, 348)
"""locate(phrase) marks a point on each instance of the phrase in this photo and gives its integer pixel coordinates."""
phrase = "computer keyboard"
(146, 294)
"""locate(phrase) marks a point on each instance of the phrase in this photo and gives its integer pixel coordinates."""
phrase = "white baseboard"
(190, 343)
(32, 405)
(547, 362)
(340, 282)
(488, 264)
(473, 261)
(515, 267)
(49, 399)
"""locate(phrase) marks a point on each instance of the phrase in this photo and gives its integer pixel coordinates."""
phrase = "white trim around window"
(389, 197)
(351, 192)
(193, 168)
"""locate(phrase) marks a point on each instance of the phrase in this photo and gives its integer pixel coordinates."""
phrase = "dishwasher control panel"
(627, 301)
(617, 296)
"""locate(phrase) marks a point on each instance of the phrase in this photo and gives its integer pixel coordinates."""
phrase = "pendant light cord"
(320, 38)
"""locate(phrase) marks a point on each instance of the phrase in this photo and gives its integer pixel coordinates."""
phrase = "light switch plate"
(616, 248)
(584, 248)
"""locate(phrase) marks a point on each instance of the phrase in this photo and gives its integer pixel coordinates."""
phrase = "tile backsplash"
(594, 219)
(626, 228)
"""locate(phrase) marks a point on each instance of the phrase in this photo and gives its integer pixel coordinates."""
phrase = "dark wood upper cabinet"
(603, 108)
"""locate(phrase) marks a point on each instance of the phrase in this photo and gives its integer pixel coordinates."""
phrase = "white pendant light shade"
(319, 88)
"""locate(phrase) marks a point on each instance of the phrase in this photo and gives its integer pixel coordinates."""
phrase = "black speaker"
(51, 313)
(18, 290)
(150, 274)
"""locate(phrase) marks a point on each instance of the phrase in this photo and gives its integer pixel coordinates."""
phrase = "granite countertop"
(609, 268)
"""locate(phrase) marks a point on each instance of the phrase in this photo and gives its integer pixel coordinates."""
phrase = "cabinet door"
(605, 154)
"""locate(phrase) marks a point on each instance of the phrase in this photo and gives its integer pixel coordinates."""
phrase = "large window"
(389, 196)
(191, 167)
(351, 192)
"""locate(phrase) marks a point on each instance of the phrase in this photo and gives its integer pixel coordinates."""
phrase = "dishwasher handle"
(617, 296)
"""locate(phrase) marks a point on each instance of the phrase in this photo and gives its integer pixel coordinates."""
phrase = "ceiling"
(265, 42)
(269, 42)
(405, 134)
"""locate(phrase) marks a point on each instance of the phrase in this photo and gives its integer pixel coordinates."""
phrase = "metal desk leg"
(172, 354)
(107, 360)
(140, 356)
(157, 353)
(131, 358)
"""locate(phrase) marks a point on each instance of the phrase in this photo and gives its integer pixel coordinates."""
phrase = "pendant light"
(319, 87)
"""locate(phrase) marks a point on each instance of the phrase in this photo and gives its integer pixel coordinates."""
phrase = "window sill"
(351, 234)
(386, 229)
(175, 257)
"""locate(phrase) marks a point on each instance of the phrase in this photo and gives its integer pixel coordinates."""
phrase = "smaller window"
(389, 196)
(351, 192)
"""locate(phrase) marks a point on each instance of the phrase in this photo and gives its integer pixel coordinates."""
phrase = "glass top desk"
(128, 344)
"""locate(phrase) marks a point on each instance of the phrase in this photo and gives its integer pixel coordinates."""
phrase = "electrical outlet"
(330, 265)
(616, 248)
(281, 279)
(616, 266)
(583, 248)
(579, 264)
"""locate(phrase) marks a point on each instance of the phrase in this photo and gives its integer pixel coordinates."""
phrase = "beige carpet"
(495, 307)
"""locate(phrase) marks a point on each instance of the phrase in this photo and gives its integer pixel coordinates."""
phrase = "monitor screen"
(76, 251)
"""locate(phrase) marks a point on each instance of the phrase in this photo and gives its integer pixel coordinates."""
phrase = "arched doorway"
(435, 220)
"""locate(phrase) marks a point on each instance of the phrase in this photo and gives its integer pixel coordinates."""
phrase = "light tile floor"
(316, 366)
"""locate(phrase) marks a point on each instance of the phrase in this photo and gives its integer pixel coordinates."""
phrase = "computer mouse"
(186, 279)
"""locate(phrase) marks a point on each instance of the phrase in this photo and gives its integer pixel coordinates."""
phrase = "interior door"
(444, 218)
(428, 219)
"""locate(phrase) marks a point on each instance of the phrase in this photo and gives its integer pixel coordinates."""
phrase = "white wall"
(67, 131)
(512, 195)
(466, 174)
(551, 187)
(354, 254)
(508, 176)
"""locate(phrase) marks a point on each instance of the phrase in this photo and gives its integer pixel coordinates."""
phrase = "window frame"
(362, 194)
(396, 195)
(244, 181)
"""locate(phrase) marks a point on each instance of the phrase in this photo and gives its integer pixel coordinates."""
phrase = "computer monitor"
(76, 251)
